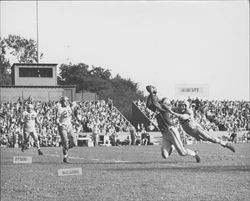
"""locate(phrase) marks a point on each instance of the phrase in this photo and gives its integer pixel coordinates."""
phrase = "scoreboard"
(34, 74)
(37, 80)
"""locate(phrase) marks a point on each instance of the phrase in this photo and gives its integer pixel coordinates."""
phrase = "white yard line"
(56, 155)
(91, 159)
(123, 161)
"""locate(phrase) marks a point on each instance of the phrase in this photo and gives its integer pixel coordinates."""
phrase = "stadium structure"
(39, 80)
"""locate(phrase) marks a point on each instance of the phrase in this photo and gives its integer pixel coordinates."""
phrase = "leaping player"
(29, 120)
(192, 128)
(66, 132)
(170, 134)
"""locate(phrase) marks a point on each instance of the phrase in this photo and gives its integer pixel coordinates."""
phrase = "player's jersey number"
(65, 114)
(29, 117)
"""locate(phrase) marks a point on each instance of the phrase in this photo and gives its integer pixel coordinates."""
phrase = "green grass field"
(136, 173)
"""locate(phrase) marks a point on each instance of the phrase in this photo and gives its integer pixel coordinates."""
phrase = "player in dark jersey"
(170, 134)
(192, 128)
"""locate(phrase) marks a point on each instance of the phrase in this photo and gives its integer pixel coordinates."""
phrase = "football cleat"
(70, 145)
(65, 159)
(40, 152)
(227, 145)
(23, 147)
(197, 158)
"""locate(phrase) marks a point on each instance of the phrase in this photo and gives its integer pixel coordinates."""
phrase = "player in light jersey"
(170, 134)
(29, 120)
(66, 132)
(192, 128)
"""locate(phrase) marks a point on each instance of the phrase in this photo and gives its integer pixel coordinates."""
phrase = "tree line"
(16, 49)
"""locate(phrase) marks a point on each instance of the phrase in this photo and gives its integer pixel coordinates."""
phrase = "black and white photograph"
(143, 100)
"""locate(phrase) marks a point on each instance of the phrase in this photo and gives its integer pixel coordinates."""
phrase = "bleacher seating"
(108, 119)
(212, 115)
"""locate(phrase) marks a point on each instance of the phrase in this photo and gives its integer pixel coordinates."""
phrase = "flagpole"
(37, 32)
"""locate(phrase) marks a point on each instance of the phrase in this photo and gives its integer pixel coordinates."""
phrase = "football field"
(135, 173)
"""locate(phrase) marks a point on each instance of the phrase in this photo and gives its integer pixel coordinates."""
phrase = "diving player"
(192, 128)
(29, 120)
(170, 134)
(66, 132)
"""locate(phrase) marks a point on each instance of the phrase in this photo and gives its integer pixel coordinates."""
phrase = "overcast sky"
(163, 43)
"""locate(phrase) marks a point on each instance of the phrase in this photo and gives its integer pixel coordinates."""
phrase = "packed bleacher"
(93, 114)
(212, 115)
(101, 115)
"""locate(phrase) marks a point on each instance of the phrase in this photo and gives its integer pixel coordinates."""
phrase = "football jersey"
(29, 120)
(189, 125)
(65, 115)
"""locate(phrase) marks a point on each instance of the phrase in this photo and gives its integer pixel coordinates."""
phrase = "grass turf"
(128, 173)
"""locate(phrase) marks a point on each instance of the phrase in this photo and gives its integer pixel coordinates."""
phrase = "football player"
(29, 120)
(170, 134)
(63, 119)
(192, 128)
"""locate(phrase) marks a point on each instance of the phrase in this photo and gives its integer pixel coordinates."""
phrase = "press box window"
(35, 72)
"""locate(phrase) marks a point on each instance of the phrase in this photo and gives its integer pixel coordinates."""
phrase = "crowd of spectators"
(212, 115)
(99, 114)
(103, 118)
(150, 114)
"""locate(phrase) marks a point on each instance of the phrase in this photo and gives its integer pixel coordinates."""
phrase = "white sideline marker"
(69, 172)
(22, 159)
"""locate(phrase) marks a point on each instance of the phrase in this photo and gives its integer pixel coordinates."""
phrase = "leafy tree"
(97, 79)
(83, 77)
(99, 72)
(125, 92)
(15, 49)
(5, 77)
(24, 50)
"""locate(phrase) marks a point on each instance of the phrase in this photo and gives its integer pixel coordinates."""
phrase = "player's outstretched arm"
(153, 100)
(180, 116)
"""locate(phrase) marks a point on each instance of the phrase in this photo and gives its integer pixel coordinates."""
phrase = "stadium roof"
(34, 64)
